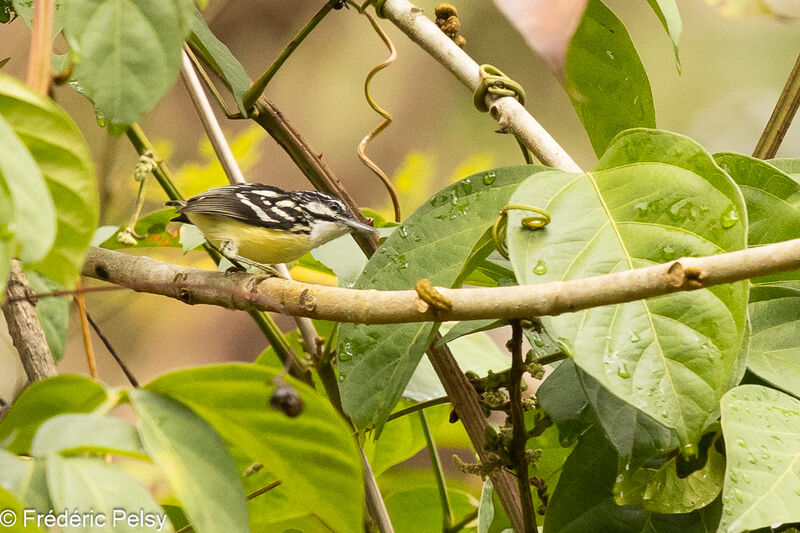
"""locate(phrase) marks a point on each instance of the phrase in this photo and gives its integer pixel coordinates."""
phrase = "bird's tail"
(179, 204)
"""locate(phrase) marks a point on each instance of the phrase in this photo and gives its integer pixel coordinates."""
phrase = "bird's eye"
(336, 208)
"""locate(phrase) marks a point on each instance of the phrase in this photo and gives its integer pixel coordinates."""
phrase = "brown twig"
(128, 374)
(781, 117)
(24, 327)
(87, 338)
(41, 46)
(520, 434)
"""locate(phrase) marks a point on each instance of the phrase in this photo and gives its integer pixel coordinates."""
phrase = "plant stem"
(520, 434)
(128, 374)
(781, 118)
(418, 407)
(257, 89)
(463, 522)
(436, 463)
(41, 46)
(91, 360)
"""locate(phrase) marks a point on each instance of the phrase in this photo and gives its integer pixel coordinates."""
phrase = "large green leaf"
(605, 78)
(152, 229)
(663, 489)
(492, 517)
(127, 53)
(45, 399)
(584, 501)
(7, 241)
(419, 509)
(87, 485)
(218, 55)
(194, 459)
(762, 442)
(670, 17)
(773, 211)
(789, 165)
(26, 479)
(63, 157)
(75, 434)
(376, 362)
(311, 453)
(12, 515)
(656, 196)
(34, 224)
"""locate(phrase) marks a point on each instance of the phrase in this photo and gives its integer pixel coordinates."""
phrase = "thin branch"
(128, 374)
(257, 89)
(259, 492)
(418, 407)
(509, 113)
(520, 434)
(782, 116)
(463, 522)
(91, 360)
(24, 327)
(41, 46)
(376, 507)
(210, 123)
(438, 471)
(252, 292)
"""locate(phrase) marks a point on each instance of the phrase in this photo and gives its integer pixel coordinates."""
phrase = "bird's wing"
(249, 203)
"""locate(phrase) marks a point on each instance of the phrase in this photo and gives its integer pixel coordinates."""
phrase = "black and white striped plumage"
(267, 224)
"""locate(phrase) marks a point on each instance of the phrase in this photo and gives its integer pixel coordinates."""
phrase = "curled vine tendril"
(533, 223)
(385, 114)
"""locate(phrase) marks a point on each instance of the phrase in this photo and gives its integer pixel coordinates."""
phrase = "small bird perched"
(262, 225)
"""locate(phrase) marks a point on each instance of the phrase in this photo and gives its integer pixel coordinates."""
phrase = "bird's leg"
(230, 251)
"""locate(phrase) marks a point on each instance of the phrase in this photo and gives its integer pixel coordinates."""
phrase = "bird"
(262, 225)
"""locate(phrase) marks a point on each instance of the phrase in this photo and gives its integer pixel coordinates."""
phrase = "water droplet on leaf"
(540, 268)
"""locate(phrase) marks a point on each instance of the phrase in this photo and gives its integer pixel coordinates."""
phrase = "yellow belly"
(257, 244)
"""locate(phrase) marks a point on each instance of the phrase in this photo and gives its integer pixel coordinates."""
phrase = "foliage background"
(733, 71)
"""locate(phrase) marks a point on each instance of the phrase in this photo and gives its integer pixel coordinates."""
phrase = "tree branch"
(24, 327)
(781, 117)
(509, 113)
(253, 292)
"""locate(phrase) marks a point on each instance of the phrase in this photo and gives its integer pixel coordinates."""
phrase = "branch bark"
(252, 292)
(24, 327)
(511, 116)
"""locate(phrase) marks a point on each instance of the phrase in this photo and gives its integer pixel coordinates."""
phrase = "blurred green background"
(733, 72)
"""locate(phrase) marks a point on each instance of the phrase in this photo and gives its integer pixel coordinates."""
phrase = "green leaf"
(562, 397)
(476, 353)
(218, 55)
(60, 151)
(127, 53)
(153, 230)
(492, 518)
(376, 362)
(26, 479)
(7, 242)
(53, 313)
(402, 438)
(419, 510)
(605, 79)
(13, 510)
(762, 443)
(34, 224)
(76, 434)
(194, 459)
(92, 485)
(773, 210)
(310, 453)
(788, 165)
(584, 501)
(45, 399)
(670, 17)
(670, 356)
(662, 489)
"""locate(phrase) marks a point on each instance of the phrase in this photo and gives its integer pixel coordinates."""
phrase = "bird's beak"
(358, 226)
